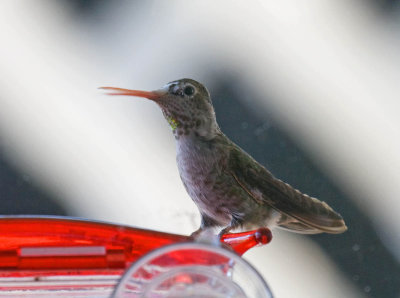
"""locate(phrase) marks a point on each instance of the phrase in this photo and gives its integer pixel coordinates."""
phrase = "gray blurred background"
(309, 88)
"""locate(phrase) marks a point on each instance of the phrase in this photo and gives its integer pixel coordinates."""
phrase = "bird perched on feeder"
(229, 187)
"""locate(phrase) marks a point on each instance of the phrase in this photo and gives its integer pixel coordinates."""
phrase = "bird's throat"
(185, 126)
(172, 122)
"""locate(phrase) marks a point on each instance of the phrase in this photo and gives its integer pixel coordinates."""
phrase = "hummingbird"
(230, 188)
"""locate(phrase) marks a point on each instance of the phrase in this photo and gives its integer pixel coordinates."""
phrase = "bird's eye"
(189, 90)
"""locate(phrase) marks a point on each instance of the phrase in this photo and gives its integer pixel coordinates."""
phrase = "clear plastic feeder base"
(192, 270)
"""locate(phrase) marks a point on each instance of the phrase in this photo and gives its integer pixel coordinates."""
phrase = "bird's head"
(186, 104)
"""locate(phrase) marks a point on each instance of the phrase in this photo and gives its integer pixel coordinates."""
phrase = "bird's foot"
(224, 231)
(197, 233)
(205, 235)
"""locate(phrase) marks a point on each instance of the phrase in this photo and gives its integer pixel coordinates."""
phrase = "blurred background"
(309, 88)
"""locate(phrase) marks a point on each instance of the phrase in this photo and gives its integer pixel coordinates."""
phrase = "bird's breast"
(201, 165)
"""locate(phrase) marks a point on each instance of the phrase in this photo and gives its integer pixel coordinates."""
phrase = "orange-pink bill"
(154, 95)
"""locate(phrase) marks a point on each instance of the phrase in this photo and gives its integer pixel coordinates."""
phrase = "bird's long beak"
(153, 95)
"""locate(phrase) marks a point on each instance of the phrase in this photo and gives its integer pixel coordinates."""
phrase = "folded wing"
(301, 213)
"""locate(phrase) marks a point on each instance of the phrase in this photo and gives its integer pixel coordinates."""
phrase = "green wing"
(309, 215)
